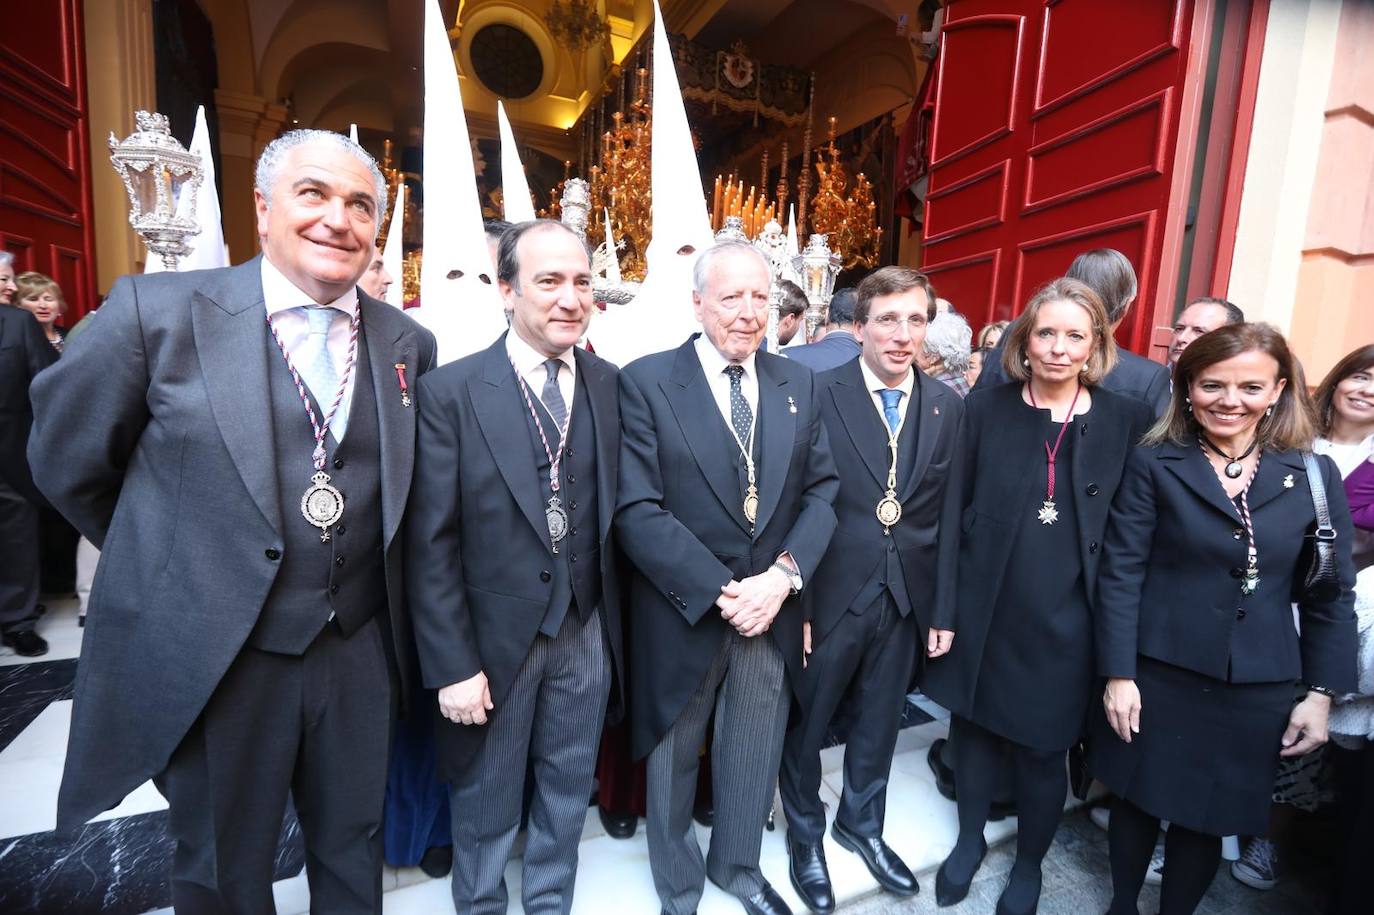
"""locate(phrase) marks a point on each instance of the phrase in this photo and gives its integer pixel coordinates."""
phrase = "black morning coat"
(1170, 585)
(1004, 481)
(679, 518)
(478, 570)
(926, 539)
(24, 352)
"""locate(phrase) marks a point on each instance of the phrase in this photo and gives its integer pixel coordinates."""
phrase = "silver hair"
(701, 271)
(274, 156)
(949, 338)
(6, 259)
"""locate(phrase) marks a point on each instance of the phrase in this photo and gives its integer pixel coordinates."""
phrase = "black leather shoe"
(810, 878)
(947, 892)
(944, 775)
(704, 815)
(889, 870)
(618, 825)
(766, 902)
(437, 861)
(26, 643)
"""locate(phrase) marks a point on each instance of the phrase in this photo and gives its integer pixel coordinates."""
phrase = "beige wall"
(121, 80)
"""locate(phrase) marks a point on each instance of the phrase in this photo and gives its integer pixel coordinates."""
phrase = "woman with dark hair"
(1043, 458)
(1194, 623)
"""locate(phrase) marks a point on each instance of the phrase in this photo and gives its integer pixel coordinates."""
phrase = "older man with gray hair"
(945, 353)
(239, 444)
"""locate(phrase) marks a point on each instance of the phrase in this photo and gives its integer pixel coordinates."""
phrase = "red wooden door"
(1055, 128)
(45, 199)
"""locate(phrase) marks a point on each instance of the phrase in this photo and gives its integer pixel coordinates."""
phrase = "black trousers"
(869, 657)
(19, 570)
(316, 726)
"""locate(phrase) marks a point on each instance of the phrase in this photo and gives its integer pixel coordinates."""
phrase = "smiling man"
(882, 598)
(239, 444)
(724, 509)
(513, 579)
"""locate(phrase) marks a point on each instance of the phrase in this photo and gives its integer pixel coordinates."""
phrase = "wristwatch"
(793, 577)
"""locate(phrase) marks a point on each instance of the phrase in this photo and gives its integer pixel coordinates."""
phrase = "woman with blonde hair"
(39, 294)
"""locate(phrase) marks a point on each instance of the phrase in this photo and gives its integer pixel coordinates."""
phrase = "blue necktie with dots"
(890, 400)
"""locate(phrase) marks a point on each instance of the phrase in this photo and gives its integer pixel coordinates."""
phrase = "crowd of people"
(435, 604)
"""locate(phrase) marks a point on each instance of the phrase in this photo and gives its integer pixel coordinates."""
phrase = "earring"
(1188, 403)
(1025, 363)
(1269, 411)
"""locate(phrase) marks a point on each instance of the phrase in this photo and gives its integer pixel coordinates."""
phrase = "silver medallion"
(322, 505)
(889, 510)
(1048, 514)
(557, 519)
(751, 504)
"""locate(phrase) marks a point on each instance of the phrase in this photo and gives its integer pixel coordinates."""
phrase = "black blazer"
(1134, 376)
(1003, 480)
(24, 352)
(926, 540)
(680, 521)
(477, 567)
(1170, 584)
(831, 351)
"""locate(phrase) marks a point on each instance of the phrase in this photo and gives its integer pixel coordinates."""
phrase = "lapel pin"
(401, 379)
(937, 411)
(1288, 482)
(791, 405)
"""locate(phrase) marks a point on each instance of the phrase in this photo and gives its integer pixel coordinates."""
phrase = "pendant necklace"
(1250, 579)
(322, 504)
(751, 492)
(889, 510)
(1234, 468)
(554, 514)
(1048, 514)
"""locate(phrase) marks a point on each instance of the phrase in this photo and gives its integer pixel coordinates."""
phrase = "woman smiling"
(1194, 628)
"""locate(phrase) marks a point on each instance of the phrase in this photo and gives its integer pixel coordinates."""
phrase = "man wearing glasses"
(882, 596)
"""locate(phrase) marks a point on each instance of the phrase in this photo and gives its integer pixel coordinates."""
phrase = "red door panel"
(45, 201)
(1079, 155)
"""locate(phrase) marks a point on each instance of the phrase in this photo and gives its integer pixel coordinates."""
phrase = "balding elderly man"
(239, 444)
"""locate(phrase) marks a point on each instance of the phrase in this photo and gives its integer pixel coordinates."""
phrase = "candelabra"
(157, 172)
(576, 23)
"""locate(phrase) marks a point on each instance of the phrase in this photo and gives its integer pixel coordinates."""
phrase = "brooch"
(1288, 482)
(791, 405)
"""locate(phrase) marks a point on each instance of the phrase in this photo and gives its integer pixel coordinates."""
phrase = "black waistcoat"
(577, 567)
(890, 578)
(346, 576)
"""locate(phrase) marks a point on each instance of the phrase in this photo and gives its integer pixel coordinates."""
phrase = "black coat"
(1003, 481)
(24, 352)
(1134, 376)
(679, 518)
(1170, 584)
(926, 540)
(477, 571)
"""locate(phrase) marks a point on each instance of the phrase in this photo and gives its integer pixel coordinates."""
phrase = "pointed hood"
(392, 254)
(515, 190)
(353, 132)
(207, 248)
(661, 316)
(459, 301)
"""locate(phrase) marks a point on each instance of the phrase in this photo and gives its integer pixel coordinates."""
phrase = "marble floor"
(118, 864)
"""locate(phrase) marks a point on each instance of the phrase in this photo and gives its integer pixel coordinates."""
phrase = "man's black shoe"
(618, 825)
(810, 878)
(766, 902)
(944, 775)
(437, 861)
(889, 870)
(704, 815)
(26, 642)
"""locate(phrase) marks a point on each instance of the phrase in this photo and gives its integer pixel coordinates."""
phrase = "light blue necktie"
(320, 372)
(890, 400)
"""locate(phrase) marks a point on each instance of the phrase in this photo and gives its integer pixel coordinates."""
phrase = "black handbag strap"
(1325, 532)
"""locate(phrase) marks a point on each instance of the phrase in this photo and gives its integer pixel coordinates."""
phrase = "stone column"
(247, 123)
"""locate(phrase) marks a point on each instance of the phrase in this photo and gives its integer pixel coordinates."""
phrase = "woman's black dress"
(1036, 676)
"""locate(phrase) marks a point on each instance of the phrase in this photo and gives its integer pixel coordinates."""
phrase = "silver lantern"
(157, 172)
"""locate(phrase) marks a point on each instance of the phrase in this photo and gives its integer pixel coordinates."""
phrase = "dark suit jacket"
(1134, 376)
(24, 352)
(1170, 582)
(680, 521)
(830, 352)
(1003, 480)
(153, 435)
(479, 555)
(926, 540)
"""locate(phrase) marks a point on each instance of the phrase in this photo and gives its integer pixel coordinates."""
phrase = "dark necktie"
(552, 395)
(741, 417)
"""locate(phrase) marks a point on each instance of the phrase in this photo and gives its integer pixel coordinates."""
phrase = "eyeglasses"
(888, 323)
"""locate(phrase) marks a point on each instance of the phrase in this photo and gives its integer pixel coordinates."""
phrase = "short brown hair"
(1101, 360)
(1288, 428)
(1361, 360)
(1107, 272)
(33, 283)
(892, 281)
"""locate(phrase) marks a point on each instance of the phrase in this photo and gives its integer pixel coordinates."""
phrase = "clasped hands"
(750, 605)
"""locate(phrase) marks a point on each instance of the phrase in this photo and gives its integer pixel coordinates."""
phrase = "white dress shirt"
(282, 298)
(529, 362)
(874, 385)
(713, 364)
